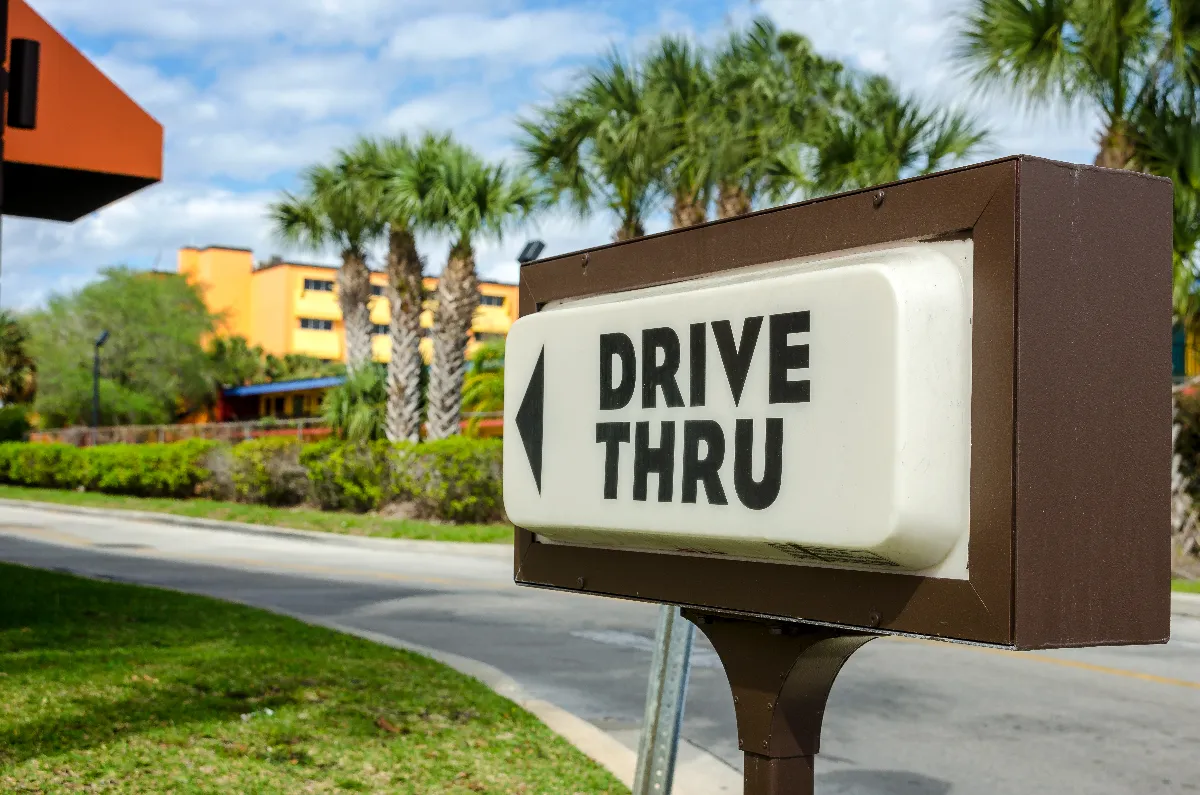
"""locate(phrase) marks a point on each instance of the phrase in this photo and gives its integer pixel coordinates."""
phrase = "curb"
(1185, 604)
(483, 550)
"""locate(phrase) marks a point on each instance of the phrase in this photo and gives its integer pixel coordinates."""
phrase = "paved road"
(906, 717)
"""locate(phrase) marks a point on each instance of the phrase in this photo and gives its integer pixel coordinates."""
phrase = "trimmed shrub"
(14, 423)
(138, 470)
(345, 476)
(144, 470)
(455, 480)
(47, 466)
(268, 471)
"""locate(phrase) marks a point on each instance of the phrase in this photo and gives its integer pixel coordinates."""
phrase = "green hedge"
(138, 470)
(457, 480)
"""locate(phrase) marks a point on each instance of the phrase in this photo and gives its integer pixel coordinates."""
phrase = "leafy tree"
(599, 146)
(17, 371)
(334, 209)
(357, 410)
(153, 368)
(234, 362)
(483, 201)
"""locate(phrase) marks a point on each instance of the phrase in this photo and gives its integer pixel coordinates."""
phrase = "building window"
(376, 289)
(380, 328)
(319, 285)
(298, 406)
(491, 300)
(313, 324)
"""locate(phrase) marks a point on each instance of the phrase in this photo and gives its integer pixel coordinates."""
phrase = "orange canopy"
(92, 144)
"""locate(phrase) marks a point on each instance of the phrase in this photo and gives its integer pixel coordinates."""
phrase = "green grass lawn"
(296, 518)
(116, 688)
(1186, 586)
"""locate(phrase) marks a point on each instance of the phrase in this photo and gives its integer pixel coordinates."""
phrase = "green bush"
(14, 423)
(455, 480)
(137, 470)
(345, 476)
(268, 471)
(46, 466)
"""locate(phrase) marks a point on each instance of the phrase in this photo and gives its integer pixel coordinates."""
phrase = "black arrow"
(529, 418)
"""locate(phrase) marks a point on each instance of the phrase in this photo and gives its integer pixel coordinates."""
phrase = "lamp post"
(103, 338)
(533, 250)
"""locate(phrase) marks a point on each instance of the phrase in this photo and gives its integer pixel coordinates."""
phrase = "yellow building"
(288, 307)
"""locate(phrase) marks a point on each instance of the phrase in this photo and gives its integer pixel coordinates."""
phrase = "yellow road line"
(1059, 661)
(49, 535)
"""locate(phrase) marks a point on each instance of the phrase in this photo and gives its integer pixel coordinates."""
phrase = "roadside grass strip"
(107, 687)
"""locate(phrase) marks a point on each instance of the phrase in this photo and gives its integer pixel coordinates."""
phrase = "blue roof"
(285, 386)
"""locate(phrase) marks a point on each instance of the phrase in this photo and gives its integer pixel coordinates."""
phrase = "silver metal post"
(665, 696)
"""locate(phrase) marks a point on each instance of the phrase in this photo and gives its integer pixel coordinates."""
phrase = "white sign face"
(813, 411)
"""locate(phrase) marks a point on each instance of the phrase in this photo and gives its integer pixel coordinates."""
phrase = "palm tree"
(402, 180)
(771, 93)
(680, 87)
(483, 390)
(356, 410)
(1113, 54)
(482, 200)
(16, 365)
(334, 209)
(600, 146)
(879, 136)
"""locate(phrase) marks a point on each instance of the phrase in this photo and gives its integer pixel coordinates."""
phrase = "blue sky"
(250, 91)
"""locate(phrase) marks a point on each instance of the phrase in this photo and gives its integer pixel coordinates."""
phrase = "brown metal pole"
(780, 675)
(792, 775)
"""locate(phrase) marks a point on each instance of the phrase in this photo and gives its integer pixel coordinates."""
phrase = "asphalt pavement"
(906, 717)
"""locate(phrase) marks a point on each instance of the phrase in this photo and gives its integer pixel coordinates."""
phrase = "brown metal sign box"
(1071, 409)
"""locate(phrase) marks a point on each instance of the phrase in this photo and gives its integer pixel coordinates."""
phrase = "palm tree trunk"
(687, 211)
(732, 201)
(457, 299)
(354, 293)
(629, 230)
(1116, 148)
(404, 292)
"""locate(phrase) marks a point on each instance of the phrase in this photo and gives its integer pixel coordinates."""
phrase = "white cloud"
(527, 37)
(170, 24)
(310, 88)
(443, 110)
